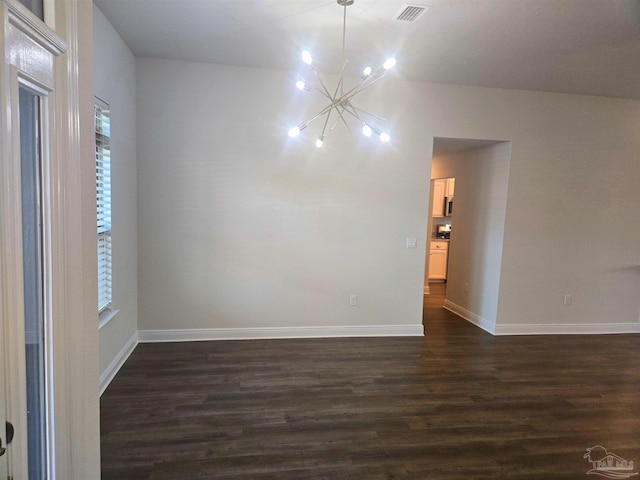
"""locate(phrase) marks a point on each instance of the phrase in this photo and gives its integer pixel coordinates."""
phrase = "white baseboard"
(483, 323)
(543, 328)
(203, 334)
(116, 364)
(567, 329)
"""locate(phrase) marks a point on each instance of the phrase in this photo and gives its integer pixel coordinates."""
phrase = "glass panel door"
(34, 325)
(33, 246)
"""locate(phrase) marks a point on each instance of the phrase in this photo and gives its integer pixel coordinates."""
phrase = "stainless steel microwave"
(448, 206)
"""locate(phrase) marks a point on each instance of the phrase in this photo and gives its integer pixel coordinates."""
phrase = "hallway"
(436, 319)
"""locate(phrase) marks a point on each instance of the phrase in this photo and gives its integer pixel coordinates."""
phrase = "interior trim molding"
(204, 334)
(116, 364)
(427, 290)
(568, 329)
(23, 19)
(477, 320)
(542, 328)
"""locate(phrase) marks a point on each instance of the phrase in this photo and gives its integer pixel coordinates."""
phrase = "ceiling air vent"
(410, 13)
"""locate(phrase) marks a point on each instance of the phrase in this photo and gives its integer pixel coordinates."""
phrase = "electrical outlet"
(567, 300)
(353, 300)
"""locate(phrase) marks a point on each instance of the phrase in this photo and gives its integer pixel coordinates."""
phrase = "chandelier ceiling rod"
(344, 42)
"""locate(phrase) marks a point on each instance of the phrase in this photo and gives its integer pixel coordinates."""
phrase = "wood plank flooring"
(456, 404)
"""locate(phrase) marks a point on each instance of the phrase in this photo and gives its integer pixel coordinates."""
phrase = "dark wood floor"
(456, 404)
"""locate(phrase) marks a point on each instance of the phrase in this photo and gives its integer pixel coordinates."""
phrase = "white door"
(26, 380)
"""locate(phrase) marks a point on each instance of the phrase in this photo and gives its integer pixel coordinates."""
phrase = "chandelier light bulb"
(384, 137)
(306, 57)
(293, 132)
(319, 142)
(389, 63)
(366, 72)
(300, 84)
(366, 130)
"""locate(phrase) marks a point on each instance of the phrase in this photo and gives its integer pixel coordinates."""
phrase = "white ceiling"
(574, 46)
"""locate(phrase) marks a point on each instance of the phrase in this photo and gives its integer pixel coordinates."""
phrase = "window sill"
(105, 317)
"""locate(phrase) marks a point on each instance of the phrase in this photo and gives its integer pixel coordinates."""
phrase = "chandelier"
(340, 101)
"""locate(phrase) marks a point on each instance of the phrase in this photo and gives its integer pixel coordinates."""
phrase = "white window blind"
(103, 200)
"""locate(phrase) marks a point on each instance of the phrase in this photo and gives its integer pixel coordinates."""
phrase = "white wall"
(475, 249)
(115, 83)
(240, 226)
(82, 411)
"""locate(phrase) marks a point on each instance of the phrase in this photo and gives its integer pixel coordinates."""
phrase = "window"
(103, 201)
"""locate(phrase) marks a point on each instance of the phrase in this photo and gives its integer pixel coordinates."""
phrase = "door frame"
(70, 236)
(30, 54)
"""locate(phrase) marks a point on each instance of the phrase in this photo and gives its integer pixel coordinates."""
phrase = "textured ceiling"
(574, 46)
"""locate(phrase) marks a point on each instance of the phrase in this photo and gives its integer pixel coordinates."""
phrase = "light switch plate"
(412, 243)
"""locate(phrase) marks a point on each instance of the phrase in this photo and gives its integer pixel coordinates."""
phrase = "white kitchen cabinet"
(439, 187)
(450, 187)
(438, 260)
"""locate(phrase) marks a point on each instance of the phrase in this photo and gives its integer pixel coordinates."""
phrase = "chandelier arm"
(368, 113)
(335, 94)
(321, 82)
(326, 121)
(371, 80)
(340, 85)
(354, 89)
(365, 83)
(319, 114)
(334, 124)
(351, 110)
(343, 120)
(324, 94)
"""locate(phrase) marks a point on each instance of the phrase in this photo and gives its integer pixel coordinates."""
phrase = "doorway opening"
(465, 228)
